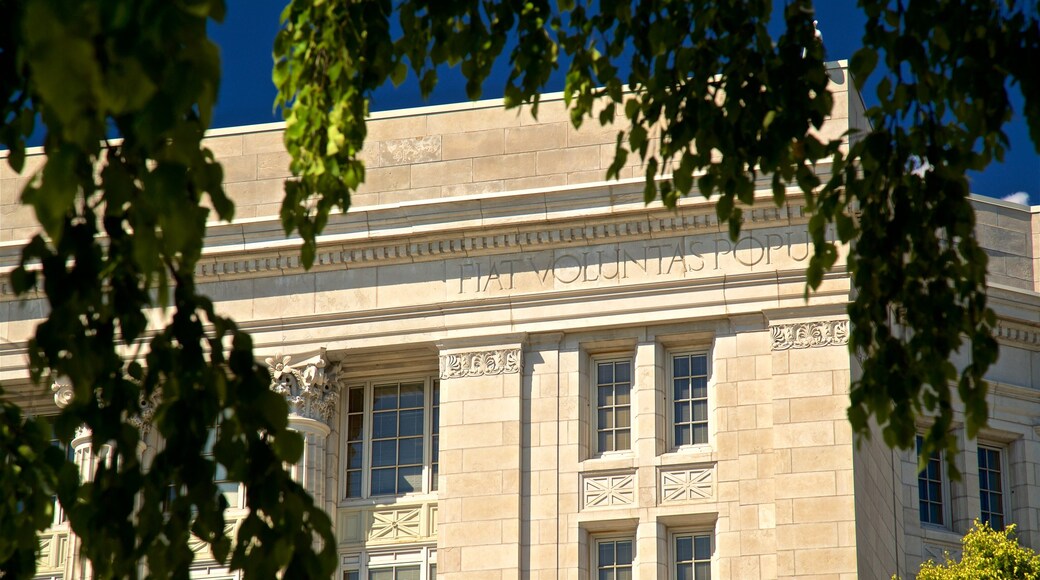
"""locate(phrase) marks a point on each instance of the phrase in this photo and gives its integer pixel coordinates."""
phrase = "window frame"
(430, 454)
(594, 385)
(673, 444)
(365, 561)
(1003, 473)
(944, 490)
(595, 541)
(673, 550)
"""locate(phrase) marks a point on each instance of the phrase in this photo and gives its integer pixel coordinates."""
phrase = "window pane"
(410, 451)
(412, 396)
(700, 434)
(411, 422)
(384, 425)
(702, 571)
(623, 440)
(683, 435)
(702, 548)
(606, 419)
(699, 387)
(355, 423)
(684, 548)
(700, 410)
(356, 402)
(353, 484)
(354, 455)
(384, 453)
(623, 372)
(383, 481)
(606, 441)
(623, 417)
(621, 393)
(409, 479)
(699, 363)
(683, 572)
(624, 552)
(605, 373)
(606, 554)
(381, 574)
(350, 575)
(384, 397)
(681, 366)
(605, 397)
(681, 388)
(408, 573)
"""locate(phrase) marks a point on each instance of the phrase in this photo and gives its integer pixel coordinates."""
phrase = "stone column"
(480, 509)
(85, 459)
(312, 392)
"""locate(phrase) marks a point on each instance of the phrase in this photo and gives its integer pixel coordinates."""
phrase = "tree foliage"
(710, 102)
(987, 554)
(123, 223)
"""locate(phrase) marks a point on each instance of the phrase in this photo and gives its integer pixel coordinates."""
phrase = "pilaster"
(480, 460)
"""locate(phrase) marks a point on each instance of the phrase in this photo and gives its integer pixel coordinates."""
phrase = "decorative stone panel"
(396, 524)
(481, 363)
(686, 485)
(810, 334)
(938, 552)
(54, 547)
(613, 490)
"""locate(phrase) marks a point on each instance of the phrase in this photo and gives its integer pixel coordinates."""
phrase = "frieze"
(307, 386)
(1017, 333)
(481, 363)
(683, 485)
(810, 334)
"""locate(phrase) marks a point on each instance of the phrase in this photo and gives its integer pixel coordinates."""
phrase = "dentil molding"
(481, 363)
(810, 334)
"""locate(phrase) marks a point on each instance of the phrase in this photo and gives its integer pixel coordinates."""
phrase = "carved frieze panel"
(481, 363)
(684, 485)
(613, 490)
(810, 334)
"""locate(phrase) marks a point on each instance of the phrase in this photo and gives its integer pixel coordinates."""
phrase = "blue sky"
(246, 95)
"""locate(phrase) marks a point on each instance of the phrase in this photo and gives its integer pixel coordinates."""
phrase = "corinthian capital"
(62, 388)
(308, 386)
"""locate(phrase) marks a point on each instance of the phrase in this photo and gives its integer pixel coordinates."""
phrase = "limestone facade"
(505, 367)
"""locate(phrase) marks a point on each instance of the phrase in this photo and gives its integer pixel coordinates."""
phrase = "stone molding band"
(810, 334)
(481, 363)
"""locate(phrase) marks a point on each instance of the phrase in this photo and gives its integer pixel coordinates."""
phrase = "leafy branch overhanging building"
(506, 367)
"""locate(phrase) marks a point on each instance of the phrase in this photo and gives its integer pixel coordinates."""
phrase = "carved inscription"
(681, 257)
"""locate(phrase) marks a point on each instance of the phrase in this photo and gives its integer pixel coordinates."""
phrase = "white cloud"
(1019, 197)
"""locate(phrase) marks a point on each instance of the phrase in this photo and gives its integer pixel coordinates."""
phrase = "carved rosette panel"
(810, 334)
(397, 524)
(687, 485)
(481, 363)
(311, 391)
(608, 490)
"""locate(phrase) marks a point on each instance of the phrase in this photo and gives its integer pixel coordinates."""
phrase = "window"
(404, 564)
(930, 489)
(231, 489)
(692, 556)
(614, 559)
(392, 438)
(613, 406)
(690, 399)
(991, 487)
(59, 514)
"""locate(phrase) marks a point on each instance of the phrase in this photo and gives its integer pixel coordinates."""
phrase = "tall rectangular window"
(614, 559)
(991, 487)
(692, 557)
(930, 489)
(613, 406)
(690, 399)
(391, 438)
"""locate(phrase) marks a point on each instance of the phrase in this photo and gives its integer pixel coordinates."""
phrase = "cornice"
(1018, 334)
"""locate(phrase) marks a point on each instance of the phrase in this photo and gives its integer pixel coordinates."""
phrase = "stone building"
(506, 367)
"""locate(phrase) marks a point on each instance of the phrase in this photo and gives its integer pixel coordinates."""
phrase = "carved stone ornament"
(810, 334)
(148, 405)
(62, 388)
(307, 386)
(481, 364)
